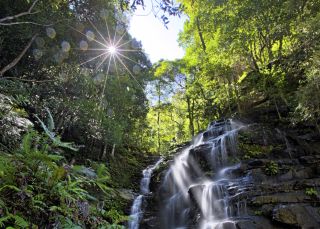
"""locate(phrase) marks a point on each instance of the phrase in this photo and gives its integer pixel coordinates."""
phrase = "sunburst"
(111, 50)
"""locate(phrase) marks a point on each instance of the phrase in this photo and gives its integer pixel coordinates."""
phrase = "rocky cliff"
(276, 177)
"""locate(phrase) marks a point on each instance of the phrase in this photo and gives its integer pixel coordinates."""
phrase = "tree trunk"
(158, 114)
(190, 116)
(204, 47)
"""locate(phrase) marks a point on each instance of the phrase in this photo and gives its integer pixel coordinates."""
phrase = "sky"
(157, 41)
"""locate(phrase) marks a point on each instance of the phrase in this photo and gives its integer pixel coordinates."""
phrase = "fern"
(38, 202)
(68, 224)
(27, 142)
(48, 129)
(12, 187)
(3, 220)
(103, 177)
(20, 222)
(50, 121)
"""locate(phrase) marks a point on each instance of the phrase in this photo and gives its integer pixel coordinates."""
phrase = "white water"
(186, 185)
(136, 209)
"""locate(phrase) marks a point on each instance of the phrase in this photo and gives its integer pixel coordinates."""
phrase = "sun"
(112, 50)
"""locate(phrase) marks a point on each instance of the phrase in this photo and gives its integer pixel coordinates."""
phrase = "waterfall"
(136, 209)
(187, 187)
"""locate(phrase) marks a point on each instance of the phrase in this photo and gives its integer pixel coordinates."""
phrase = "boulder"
(302, 216)
(12, 124)
(246, 225)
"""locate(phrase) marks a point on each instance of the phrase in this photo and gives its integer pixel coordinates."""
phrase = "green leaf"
(50, 122)
(15, 188)
(21, 222)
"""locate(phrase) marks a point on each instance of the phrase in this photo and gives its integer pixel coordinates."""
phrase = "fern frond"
(21, 222)
(55, 139)
(27, 142)
(3, 220)
(50, 122)
(15, 188)
(50, 134)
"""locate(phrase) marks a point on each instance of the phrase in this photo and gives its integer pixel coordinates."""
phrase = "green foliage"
(311, 192)
(258, 213)
(272, 168)
(115, 216)
(48, 129)
(37, 188)
(254, 150)
(18, 222)
(308, 95)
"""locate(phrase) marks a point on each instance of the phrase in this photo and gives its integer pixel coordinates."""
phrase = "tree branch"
(28, 80)
(204, 47)
(25, 22)
(21, 14)
(18, 58)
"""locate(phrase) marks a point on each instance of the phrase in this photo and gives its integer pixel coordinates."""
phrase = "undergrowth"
(39, 189)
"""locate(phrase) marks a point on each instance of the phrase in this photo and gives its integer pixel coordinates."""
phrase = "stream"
(136, 209)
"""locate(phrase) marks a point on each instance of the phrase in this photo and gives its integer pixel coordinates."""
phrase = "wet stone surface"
(275, 185)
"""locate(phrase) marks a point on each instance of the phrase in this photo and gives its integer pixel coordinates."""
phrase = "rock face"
(280, 180)
(12, 123)
(298, 215)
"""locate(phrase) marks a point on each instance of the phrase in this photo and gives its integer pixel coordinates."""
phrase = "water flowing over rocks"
(137, 206)
(235, 176)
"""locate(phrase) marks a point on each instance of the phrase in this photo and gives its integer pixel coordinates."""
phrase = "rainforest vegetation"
(82, 109)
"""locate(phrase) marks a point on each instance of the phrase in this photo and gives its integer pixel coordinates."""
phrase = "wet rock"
(228, 225)
(246, 225)
(297, 215)
(267, 210)
(257, 222)
(303, 184)
(258, 175)
(295, 197)
(201, 154)
(314, 159)
(298, 161)
(149, 222)
(303, 173)
(257, 163)
(285, 177)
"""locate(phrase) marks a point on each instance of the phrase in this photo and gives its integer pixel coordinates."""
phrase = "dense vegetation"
(240, 55)
(56, 65)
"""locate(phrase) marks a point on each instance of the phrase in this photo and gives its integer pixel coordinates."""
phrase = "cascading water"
(136, 209)
(187, 187)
